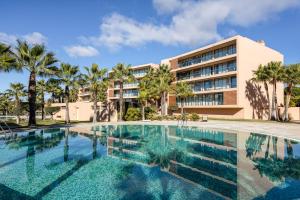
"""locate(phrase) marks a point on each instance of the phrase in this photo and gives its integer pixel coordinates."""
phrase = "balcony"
(221, 68)
(205, 57)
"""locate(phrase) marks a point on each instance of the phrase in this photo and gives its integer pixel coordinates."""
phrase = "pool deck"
(287, 130)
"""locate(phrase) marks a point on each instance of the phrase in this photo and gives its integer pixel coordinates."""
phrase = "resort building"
(130, 90)
(220, 76)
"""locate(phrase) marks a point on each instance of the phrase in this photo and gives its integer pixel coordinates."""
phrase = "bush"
(194, 117)
(133, 114)
(150, 112)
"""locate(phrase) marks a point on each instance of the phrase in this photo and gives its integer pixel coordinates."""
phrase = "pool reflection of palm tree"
(66, 145)
(276, 169)
(34, 142)
(94, 144)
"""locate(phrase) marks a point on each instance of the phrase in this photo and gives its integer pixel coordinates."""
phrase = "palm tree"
(68, 76)
(41, 89)
(163, 79)
(17, 91)
(275, 74)
(38, 62)
(122, 74)
(146, 93)
(6, 59)
(261, 75)
(5, 103)
(291, 77)
(97, 83)
(56, 91)
(183, 90)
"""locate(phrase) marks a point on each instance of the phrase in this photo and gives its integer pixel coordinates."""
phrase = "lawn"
(40, 123)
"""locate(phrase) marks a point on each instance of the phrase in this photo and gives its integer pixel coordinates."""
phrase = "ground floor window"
(202, 100)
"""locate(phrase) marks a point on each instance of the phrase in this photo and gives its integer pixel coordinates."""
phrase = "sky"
(106, 32)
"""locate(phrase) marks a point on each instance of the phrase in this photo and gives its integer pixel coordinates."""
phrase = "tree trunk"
(43, 106)
(95, 107)
(18, 109)
(287, 102)
(181, 104)
(121, 102)
(163, 104)
(143, 111)
(67, 119)
(108, 110)
(274, 112)
(268, 98)
(32, 99)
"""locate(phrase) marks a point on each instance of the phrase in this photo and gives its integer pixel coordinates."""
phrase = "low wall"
(294, 113)
(80, 111)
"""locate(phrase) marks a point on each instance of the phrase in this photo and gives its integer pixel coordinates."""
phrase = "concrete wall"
(80, 111)
(252, 96)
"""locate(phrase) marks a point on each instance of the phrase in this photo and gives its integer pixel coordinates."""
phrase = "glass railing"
(217, 84)
(208, 56)
(208, 71)
(127, 85)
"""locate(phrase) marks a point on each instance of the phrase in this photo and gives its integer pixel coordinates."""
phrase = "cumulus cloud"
(193, 22)
(31, 38)
(35, 38)
(81, 51)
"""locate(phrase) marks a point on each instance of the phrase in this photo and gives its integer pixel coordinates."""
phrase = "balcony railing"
(230, 50)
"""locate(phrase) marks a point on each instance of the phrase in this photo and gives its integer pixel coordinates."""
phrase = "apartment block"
(220, 76)
(130, 90)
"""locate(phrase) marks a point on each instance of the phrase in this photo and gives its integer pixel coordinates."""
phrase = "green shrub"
(133, 114)
(194, 117)
(150, 112)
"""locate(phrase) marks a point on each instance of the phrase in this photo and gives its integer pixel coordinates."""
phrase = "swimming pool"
(148, 162)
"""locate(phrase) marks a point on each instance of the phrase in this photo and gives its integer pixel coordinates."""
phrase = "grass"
(40, 123)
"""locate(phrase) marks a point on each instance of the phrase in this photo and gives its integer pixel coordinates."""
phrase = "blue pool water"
(148, 162)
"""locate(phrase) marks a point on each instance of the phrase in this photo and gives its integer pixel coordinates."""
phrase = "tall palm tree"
(122, 73)
(41, 89)
(146, 93)
(17, 91)
(291, 77)
(261, 75)
(38, 62)
(7, 61)
(183, 90)
(163, 79)
(68, 76)
(97, 82)
(275, 74)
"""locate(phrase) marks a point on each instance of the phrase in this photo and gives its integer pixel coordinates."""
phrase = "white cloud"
(35, 38)
(81, 51)
(7, 39)
(31, 38)
(193, 22)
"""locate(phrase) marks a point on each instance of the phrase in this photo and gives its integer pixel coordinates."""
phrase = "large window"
(229, 50)
(203, 100)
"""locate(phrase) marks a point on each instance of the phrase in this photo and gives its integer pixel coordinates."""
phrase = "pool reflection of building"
(215, 160)
(209, 160)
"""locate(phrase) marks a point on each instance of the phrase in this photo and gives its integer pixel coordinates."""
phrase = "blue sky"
(135, 32)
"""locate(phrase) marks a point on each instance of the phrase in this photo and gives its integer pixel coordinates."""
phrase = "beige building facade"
(220, 75)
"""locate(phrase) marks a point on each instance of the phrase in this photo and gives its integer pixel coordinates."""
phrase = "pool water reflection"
(148, 162)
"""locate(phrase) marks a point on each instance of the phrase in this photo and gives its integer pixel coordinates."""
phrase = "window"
(233, 82)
